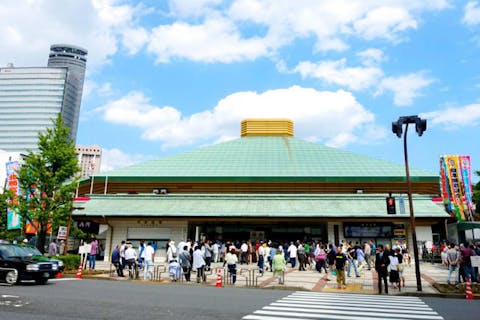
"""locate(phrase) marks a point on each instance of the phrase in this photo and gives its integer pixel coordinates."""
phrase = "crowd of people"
(459, 262)
(342, 261)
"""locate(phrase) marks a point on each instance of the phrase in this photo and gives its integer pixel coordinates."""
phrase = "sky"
(168, 76)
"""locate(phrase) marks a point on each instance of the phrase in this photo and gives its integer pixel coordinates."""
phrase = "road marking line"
(359, 296)
(291, 316)
(65, 279)
(363, 308)
(373, 304)
(351, 313)
(372, 301)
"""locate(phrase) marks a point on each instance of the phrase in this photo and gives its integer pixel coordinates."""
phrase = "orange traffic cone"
(468, 290)
(219, 278)
(58, 275)
(79, 272)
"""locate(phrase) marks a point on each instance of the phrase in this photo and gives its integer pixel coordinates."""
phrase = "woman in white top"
(199, 263)
(231, 260)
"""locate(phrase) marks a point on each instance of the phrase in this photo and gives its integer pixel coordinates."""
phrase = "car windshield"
(9, 251)
(32, 251)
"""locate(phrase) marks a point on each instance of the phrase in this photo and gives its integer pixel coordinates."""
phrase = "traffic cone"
(58, 275)
(219, 278)
(79, 272)
(468, 290)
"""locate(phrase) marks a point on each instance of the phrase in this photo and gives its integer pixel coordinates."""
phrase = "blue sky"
(168, 76)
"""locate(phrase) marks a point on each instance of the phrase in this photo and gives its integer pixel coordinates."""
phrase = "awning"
(467, 225)
(255, 206)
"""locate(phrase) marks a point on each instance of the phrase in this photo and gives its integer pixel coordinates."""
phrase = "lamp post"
(397, 128)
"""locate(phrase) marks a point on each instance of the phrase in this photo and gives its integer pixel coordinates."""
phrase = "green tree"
(476, 195)
(47, 181)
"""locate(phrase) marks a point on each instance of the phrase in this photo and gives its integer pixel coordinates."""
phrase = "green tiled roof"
(254, 205)
(268, 158)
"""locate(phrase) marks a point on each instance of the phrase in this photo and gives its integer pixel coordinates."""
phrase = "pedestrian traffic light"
(391, 205)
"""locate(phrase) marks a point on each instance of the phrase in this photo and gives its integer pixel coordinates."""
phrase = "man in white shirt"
(292, 250)
(149, 259)
(131, 257)
(199, 264)
(244, 251)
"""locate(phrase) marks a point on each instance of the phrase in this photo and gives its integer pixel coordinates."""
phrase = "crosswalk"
(344, 306)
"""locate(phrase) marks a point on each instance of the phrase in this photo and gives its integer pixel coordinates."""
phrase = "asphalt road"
(102, 299)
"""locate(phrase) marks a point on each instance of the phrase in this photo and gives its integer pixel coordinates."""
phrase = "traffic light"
(391, 205)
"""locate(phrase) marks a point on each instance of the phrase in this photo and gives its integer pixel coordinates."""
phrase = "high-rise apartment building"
(89, 159)
(31, 97)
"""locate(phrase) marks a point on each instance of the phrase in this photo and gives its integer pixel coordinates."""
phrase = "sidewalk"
(311, 280)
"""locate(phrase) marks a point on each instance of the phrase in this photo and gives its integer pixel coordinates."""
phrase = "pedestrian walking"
(92, 257)
(381, 263)
(115, 259)
(148, 261)
(199, 264)
(231, 260)
(339, 266)
(279, 266)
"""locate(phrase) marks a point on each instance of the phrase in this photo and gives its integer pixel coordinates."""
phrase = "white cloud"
(193, 8)
(454, 118)
(213, 30)
(116, 158)
(217, 40)
(335, 118)
(355, 78)
(199, 30)
(384, 22)
(28, 28)
(405, 88)
(371, 57)
(472, 13)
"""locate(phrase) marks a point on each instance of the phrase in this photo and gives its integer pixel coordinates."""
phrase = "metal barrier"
(15, 272)
(157, 274)
(247, 274)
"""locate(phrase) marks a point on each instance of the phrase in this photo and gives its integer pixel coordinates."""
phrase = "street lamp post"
(397, 128)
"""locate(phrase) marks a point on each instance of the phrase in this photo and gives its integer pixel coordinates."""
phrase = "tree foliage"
(47, 181)
(476, 194)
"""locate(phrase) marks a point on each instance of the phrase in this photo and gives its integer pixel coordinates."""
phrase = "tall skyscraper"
(75, 60)
(89, 159)
(31, 97)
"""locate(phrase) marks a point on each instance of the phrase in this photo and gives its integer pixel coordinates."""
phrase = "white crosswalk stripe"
(345, 306)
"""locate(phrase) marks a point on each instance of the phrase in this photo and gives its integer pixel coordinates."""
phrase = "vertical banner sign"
(13, 219)
(456, 185)
(444, 187)
(465, 169)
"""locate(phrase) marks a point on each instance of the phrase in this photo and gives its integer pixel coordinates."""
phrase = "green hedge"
(70, 261)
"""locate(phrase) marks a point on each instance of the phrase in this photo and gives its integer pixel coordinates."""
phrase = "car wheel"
(41, 281)
(12, 277)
